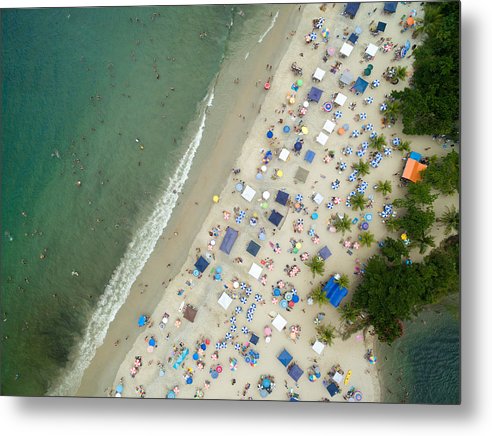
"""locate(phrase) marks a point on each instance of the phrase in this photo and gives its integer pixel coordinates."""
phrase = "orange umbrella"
(410, 21)
(341, 131)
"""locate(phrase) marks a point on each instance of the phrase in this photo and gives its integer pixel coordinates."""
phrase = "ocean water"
(423, 366)
(102, 114)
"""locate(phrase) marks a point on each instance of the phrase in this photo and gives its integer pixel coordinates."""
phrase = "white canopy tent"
(340, 99)
(321, 138)
(371, 50)
(225, 301)
(255, 271)
(248, 193)
(318, 198)
(337, 377)
(329, 126)
(319, 74)
(279, 322)
(284, 154)
(346, 49)
(318, 347)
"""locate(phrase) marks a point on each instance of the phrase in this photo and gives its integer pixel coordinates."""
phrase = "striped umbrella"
(363, 116)
(351, 194)
(338, 114)
(343, 166)
(334, 185)
(242, 285)
(217, 345)
(237, 346)
(374, 164)
(352, 177)
(258, 297)
(375, 83)
(245, 330)
(369, 100)
(361, 153)
(360, 190)
(299, 198)
(249, 291)
(319, 22)
(383, 107)
(396, 141)
(365, 145)
(238, 220)
(232, 319)
(233, 328)
(369, 127)
(347, 202)
(378, 156)
(355, 133)
(253, 306)
(313, 36)
(364, 184)
(329, 205)
(223, 345)
(387, 151)
(243, 300)
(348, 150)
(228, 336)
(373, 135)
(238, 310)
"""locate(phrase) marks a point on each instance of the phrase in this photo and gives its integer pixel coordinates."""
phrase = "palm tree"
(451, 220)
(367, 239)
(316, 265)
(393, 109)
(319, 296)
(400, 73)
(384, 187)
(431, 20)
(378, 143)
(343, 224)
(325, 334)
(358, 201)
(392, 224)
(404, 147)
(363, 168)
(343, 281)
(423, 242)
(349, 312)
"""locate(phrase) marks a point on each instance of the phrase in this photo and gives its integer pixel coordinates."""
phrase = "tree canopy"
(444, 174)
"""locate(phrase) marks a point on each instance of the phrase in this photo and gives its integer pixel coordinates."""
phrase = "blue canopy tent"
(381, 27)
(332, 389)
(295, 372)
(253, 248)
(254, 339)
(315, 94)
(352, 8)
(415, 156)
(201, 264)
(275, 218)
(229, 240)
(309, 156)
(390, 7)
(284, 357)
(360, 85)
(330, 287)
(282, 198)
(324, 253)
(353, 38)
(338, 296)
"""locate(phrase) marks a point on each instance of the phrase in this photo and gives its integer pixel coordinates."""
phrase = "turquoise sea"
(99, 108)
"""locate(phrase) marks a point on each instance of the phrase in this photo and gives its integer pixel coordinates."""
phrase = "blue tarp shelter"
(282, 198)
(275, 218)
(253, 248)
(332, 389)
(353, 38)
(201, 264)
(284, 357)
(324, 253)
(360, 85)
(381, 27)
(352, 8)
(390, 7)
(309, 156)
(334, 292)
(229, 240)
(415, 156)
(315, 94)
(295, 372)
(254, 339)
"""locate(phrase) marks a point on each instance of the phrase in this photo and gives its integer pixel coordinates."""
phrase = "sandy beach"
(167, 282)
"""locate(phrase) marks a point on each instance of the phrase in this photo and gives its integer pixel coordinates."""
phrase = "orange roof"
(413, 170)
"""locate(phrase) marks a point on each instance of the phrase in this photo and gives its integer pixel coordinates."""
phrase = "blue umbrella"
(369, 100)
(217, 277)
(249, 291)
(368, 217)
(355, 133)
(295, 298)
(263, 393)
(298, 146)
(266, 383)
(365, 225)
(396, 141)
(276, 292)
(343, 166)
(233, 328)
(253, 306)
(142, 320)
(269, 134)
(245, 330)
(363, 116)
(258, 297)
(348, 150)
(203, 347)
(313, 36)
(239, 187)
(189, 381)
(334, 185)
(218, 269)
(228, 336)
(299, 197)
(345, 127)
(214, 374)
(284, 303)
(375, 83)
(237, 346)
(383, 107)
(151, 342)
(403, 52)
(238, 310)
(314, 216)
(365, 145)
(243, 300)
(369, 127)
(286, 129)
(243, 286)
(338, 114)
(329, 205)
(119, 388)
(361, 153)
(347, 202)
(195, 356)
(171, 394)
(373, 135)
(232, 319)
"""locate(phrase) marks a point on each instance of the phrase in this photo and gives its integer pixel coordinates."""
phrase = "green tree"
(443, 174)
(404, 146)
(317, 265)
(384, 187)
(319, 295)
(349, 313)
(394, 249)
(400, 73)
(416, 222)
(343, 224)
(450, 220)
(343, 281)
(378, 143)
(424, 241)
(325, 334)
(392, 112)
(367, 239)
(417, 194)
(358, 201)
(362, 167)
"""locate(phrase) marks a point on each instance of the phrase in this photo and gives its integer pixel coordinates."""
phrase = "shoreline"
(167, 251)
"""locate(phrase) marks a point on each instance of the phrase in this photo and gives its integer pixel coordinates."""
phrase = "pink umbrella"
(330, 51)
(214, 356)
(305, 256)
(356, 245)
(274, 300)
(176, 390)
(270, 267)
(226, 215)
(347, 243)
(337, 200)
(263, 280)
(133, 371)
(267, 331)
(303, 111)
(315, 239)
(281, 284)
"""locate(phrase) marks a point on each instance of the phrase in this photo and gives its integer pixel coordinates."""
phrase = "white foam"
(269, 28)
(246, 57)
(132, 263)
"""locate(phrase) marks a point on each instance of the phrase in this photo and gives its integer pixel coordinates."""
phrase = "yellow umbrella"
(292, 100)
(215, 198)
(298, 245)
(404, 236)
(304, 130)
(280, 173)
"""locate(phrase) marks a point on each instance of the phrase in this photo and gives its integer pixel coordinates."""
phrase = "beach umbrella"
(338, 114)
(313, 36)
(119, 388)
(258, 297)
(276, 292)
(375, 83)
(383, 107)
(259, 176)
(358, 30)
(363, 116)
(243, 300)
(387, 151)
(249, 291)
(373, 135)
(228, 336)
(329, 205)
(243, 286)
(369, 127)
(237, 346)
(263, 393)
(142, 320)
(365, 145)
(280, 173)
(360, 153)
(299, 198)
(355, 133)
(238, 310)
(358, 396)
(346, 126)
(343, 166)
(348, 150)
(364, 225)
(396, 141)
(369, 100)
(325, 33)
(286, 129)
(214, 374)
(232, 319)
(233, 328)
(267, 86)
(217, 345)
(298, 146)
(195, 356)
(327, 106)
(265, 195)
(269, 134)
(152, 342)
(171, 394)
(245, 330)
(314, 216)
(299, 82)
(215, 198)
(330, 51)
(239, 187)
(253, 305)
(266, 383)
(341, 131)
(283, 303)
(304, 130)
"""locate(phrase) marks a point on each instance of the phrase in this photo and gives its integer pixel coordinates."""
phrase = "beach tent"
(353, 38)
(319, 74)
(248, 193)
(371, 50)
(338, 296)
(254, 339)
(189, 313)
(413, 170)
(282, 198)
(181, 358)
(381, 27)
(324, 253)
(201, 264)
(253, 248)
(318, 347)
(415, 156)
(315, 94)
(284, 154)
(284, 357)
(360, 85)
(337, 377)
(352, 8)
(318, 198)
(390, 7)
(332, 389)
(346, 49)
(279, 322)
(330, 287)
(224, 300)
(340, 99)
(302, 174)
(321, 138)
(309, 156)
(255, 271)
(229, 240)
(347, 77)
(295, 372)
(329, 126)
(275, 218)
